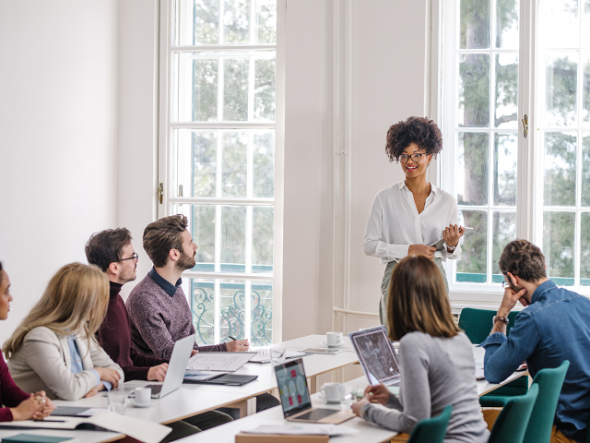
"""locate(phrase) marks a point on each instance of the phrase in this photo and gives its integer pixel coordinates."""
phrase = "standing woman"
(54, 348)
(20, 405)
(410, 216)
(435, 358)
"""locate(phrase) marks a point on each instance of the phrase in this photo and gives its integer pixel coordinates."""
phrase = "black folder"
(225, 379)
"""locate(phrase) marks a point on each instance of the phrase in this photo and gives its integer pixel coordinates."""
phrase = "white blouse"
(395, 224)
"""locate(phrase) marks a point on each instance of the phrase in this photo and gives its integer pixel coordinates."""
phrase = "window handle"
(161, 193)
(525, 125)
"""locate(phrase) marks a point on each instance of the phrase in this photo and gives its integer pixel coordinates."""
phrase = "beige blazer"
(43, 364)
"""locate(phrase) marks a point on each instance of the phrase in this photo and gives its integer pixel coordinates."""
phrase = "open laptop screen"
(292, 385)
(376, 355)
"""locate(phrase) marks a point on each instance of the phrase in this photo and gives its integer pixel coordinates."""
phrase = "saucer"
(140, 405)
(335, 402)
(337, 345)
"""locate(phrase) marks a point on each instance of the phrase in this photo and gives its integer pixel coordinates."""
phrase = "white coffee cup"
(333, 338)
(333, 392)
(143, 396)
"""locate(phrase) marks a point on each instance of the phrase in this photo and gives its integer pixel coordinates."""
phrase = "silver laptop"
(376, 356)
(295, 398)
(176, 368)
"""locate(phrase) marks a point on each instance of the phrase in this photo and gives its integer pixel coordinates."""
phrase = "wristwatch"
(451, 248)
(498, 318)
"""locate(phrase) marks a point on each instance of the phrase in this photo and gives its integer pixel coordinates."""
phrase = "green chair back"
(432, 430)
(477, 323)
(550, 382)
(511, 425)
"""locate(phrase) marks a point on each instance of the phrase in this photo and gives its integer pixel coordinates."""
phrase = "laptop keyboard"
(316, 414)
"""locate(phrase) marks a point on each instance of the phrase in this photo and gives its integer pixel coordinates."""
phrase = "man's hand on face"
(509, 301)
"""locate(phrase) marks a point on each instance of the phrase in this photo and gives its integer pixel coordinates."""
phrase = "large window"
(484, 115)
(218, 157)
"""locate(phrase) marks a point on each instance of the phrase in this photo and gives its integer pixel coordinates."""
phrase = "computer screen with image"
(376, 355)
(292, 385)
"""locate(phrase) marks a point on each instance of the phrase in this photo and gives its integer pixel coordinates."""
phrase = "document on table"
(303, 429)
(265, 355)
(219, 361)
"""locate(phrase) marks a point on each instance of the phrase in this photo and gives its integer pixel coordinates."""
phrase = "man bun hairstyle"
(163, 235)
(522, 258)
(106, 247)
(419, 130)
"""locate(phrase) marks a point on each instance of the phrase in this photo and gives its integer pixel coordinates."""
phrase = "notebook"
(33, 438)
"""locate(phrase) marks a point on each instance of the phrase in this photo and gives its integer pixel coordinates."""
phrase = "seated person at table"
(54, 348)
(157, 306)
(436, 359)
(553, 327)
(113, 252)
(20, 405)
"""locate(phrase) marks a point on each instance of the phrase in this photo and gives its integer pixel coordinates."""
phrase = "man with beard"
(157, 306)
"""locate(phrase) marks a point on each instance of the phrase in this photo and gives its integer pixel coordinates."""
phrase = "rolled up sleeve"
(505, 354)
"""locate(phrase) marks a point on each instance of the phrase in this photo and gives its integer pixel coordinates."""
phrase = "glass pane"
(236, 21)
(560, 26)
(203, 310)
(472, 166)
(204, 163)
(234, 165)
(507, 13)
(560, 169)
(232, 303)
(195, 92)
(203, 231)
(197, 22)
(233, 238)
(585, 249)
(586, 24)
(261, 308)
(506, 106)
(263, 164)
(235, 89)
(586, 86)
(474, 90)
(266, 21)
(561, 88)
(262, 239)
(475, 24)
(473, 261)
(504, 231)
(264, 89)
(505, 157)
(558, 244)
(586, 169)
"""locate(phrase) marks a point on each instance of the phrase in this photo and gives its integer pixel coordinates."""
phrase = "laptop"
(376, 355)
(176, 368)
(295, 398)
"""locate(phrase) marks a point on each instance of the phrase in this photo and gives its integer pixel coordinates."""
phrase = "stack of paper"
(265, 355)
(303, 429)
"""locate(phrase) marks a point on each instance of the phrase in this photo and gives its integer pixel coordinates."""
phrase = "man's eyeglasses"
(135, 256)
(416, 157)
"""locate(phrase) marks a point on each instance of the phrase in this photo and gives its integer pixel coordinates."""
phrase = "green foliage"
(205, 90)
(204, 163)
(263, 165)
(585, 246)
(562, 83)
(474, 90)
(264, 89)
(233, 234)
(236, 21)
(475, 24)
(474, 255)
(560, 169)
(266, 18)
(235, 90)
(206, 22)
(262, 235)
(234, 166)
(558, 243)
(203, 231)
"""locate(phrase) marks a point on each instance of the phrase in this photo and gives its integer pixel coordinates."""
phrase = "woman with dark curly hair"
(411, 216)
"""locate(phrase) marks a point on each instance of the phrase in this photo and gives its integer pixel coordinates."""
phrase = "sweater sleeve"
(414, 364)
(11, 394)
(141, 366)
(211, 348)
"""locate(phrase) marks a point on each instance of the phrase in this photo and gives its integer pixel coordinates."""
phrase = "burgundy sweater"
(115, 338)
(160, 316)
(10, 394)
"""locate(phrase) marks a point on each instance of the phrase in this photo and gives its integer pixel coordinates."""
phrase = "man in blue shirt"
(553, 327)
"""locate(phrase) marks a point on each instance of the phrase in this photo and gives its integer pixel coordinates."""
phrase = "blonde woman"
(54, 348)
(436, 359)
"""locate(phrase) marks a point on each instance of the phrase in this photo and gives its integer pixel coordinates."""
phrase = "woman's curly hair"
(417, 130)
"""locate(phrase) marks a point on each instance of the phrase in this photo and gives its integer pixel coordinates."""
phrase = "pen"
(467, 227)
(232, 338)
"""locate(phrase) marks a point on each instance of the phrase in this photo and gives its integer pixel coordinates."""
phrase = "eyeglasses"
(135, 256)
(416, 157)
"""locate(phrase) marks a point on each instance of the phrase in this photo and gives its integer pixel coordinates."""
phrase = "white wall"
(137, 142)
(58, 130)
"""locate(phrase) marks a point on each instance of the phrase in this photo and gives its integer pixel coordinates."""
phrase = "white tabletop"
(82, 436)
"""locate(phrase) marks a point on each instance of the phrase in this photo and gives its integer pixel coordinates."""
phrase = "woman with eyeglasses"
(54, 348)
(18, 405)
(413, 215)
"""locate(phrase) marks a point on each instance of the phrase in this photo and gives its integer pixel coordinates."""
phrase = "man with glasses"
(553, 327)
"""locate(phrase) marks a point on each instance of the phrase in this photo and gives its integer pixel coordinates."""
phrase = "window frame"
(163, 175)
(529, 180)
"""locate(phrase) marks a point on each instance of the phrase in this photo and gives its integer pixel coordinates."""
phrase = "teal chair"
(477, 324)
(432, 430)
(512, 423)
(550, 382)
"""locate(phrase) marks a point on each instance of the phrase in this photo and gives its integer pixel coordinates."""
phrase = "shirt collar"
(401, 185)
(168, 287)
(541, 289)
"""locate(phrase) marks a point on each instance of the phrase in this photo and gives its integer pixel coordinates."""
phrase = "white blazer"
(43, 364)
